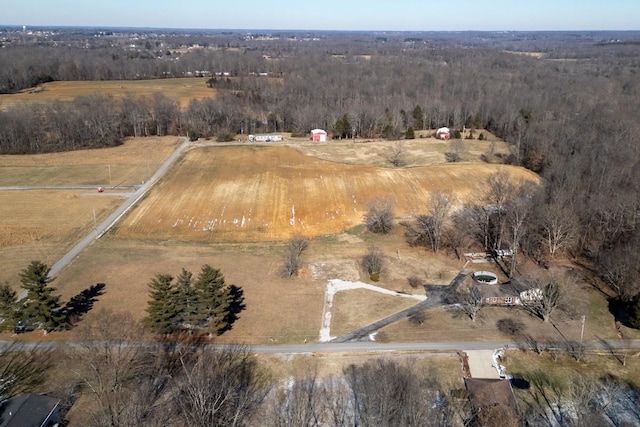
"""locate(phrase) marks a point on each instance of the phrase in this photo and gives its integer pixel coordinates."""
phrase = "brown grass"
(130, 163)
(250, 193)
(43, 225)
(182, 89)
(565, 369)
(356, 308)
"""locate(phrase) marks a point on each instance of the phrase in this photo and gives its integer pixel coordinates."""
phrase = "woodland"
(566, 103)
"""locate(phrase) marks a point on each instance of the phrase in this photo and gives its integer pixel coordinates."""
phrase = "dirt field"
(258, 193)
(182, 89)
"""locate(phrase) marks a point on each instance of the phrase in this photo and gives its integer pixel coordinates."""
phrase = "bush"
(224, 136)
(452, 157)
(481, 137)
(415, 282)
(372, 262)
(409, 134)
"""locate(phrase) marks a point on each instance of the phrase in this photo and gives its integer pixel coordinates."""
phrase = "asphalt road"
(349, 347)
(111, 220)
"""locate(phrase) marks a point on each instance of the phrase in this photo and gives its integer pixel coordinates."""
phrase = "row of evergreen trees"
(205, 303)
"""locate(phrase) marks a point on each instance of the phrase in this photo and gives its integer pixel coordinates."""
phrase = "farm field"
(258, 193)
(182, 89)
(279, 191)
(129, 164)
(42, 224)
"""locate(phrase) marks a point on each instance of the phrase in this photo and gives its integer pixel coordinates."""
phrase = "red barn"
(443, 133)
(318, 135)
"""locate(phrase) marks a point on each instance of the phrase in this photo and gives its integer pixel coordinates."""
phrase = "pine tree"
(8, 312)
(163, 312)
(418, 118)
(40, 307)
(187, 299)
(214, 299)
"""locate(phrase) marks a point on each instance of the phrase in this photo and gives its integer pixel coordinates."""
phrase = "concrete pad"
(481, 364)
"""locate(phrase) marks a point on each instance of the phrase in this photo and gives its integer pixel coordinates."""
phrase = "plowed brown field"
(250, 193)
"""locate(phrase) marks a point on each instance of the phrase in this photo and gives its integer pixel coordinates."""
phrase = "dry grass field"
(182, 89)
(43, 224)
(233, 207)
(258, 193)
(131, 163)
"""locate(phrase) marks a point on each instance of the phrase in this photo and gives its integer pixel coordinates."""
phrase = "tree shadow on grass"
(235, 306)
(619, 310)
(82, 303)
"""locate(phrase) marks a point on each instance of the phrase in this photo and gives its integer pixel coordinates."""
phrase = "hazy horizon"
(330, 15)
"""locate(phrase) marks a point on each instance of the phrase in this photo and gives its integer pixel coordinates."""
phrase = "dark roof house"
(30, 410)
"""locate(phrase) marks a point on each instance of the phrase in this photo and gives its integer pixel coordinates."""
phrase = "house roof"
(505, 290)
(443, 130)
(318, 131)
(27, 410)
(486, 393)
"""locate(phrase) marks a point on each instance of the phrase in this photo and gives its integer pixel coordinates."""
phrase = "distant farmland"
(181, 89)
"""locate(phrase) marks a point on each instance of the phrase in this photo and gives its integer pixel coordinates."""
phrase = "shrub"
(414, 282)
(372, 262)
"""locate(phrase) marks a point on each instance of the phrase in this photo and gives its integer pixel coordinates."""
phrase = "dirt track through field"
(251, 193)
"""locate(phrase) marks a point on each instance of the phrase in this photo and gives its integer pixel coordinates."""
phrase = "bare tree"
(499, 192)
(467, 302)
(372, 262)
(22, 368)
(126, 380)
(295, 247)
(223, 387)
(397, 156)
(379, 217)
(518, 211)
(428, 229)
(542, 297)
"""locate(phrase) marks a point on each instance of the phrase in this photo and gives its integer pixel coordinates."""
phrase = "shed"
(443, 133)
(318, 135)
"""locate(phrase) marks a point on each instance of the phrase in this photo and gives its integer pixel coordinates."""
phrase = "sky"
(365, 15)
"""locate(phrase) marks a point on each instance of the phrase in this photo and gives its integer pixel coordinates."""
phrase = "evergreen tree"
(214, 299)
(418, 118)
(163, 312)
(40, 307)
(409, 134)
(8, 313)
(187, 299)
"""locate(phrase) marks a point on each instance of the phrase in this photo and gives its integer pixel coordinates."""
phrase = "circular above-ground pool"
(486, 277)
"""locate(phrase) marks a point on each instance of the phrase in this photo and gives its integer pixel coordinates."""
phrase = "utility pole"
(582, 331)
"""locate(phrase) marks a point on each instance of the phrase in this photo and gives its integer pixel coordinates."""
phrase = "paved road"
(62, 187)
(104, 226)
(353, 347)
(111, 220)
(436, 296)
